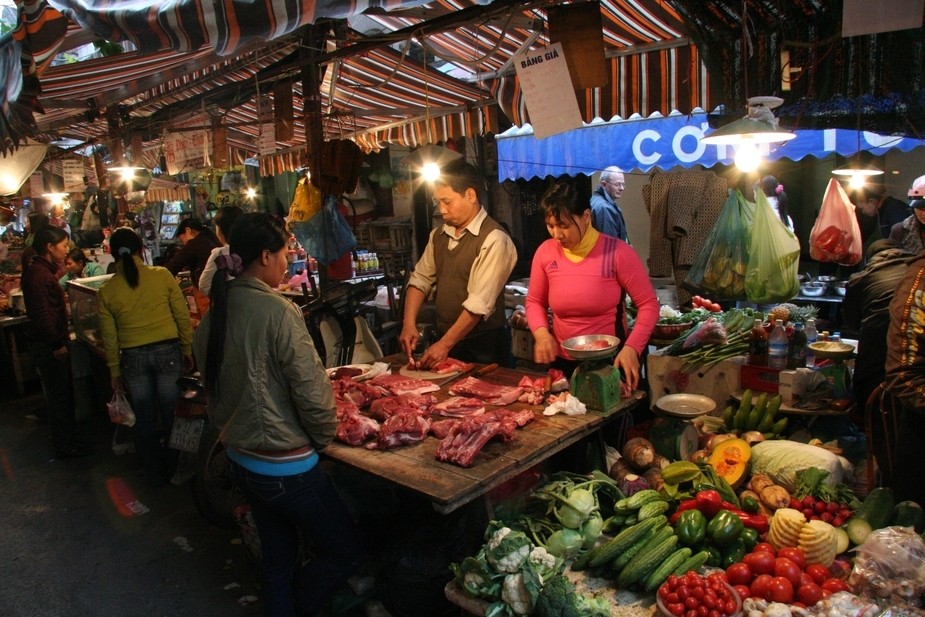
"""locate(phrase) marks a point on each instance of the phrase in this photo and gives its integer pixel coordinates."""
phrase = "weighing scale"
(596, 381)
(835, 373)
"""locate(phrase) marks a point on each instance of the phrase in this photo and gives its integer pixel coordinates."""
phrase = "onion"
(718, 439)
(752, 437)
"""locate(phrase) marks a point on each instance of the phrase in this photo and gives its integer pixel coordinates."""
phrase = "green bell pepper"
(734, 553)
(716, 556)
(750, 504)
(750, 537)
(691, 527)
(724, 528)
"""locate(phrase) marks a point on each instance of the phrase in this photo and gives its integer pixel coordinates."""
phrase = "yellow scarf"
(584, 247)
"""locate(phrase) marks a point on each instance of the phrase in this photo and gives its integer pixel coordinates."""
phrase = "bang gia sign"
(662, 142)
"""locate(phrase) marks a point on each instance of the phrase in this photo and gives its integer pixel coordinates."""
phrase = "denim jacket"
(273, 393)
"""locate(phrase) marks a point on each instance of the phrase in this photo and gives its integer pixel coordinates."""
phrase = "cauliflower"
(545, 563)
(515, 594)
(666, 312)
(507, 550)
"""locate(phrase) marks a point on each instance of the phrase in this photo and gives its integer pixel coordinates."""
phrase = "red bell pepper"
(758, 522)
(709, 502)
(687, 504)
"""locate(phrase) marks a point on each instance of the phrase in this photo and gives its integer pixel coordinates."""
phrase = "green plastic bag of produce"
(719, 270)
(773, 257)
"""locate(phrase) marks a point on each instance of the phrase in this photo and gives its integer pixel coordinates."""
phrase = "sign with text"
(548, 90)
(72, 170)
(186, 150)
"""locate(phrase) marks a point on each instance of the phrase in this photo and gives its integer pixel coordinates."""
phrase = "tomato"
(805, 579)
(691, 602)
(793, 554)
(780, 589)
(743, 591)
(835, 584)
(715, 308)
(696, 301)
(809, 594)
(676, 609)
(759, 586)
(760, 562)
(818, 572)
(787, 569)
(739, 574)
(765, 547)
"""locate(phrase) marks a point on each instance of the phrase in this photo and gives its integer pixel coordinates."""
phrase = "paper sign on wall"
(36, 183)
(548, 90)
(186, 150)
(73, 172)
(872, 16)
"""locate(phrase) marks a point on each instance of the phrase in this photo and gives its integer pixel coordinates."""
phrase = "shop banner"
(663, 142)
(187, 150)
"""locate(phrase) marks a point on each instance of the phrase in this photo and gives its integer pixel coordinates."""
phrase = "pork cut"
(384, 408)
(451, 365)
(394, 383)
(459, 407)
(355, 429)
(490, 393)
(356, 392)
(467, 438)
(400, 430)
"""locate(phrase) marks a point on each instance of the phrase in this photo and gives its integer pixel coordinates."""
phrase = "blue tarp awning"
(664, 142)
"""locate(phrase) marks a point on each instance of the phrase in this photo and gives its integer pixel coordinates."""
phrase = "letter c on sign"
(646, 135)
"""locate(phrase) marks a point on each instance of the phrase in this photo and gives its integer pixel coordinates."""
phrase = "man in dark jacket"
(198, 242)
(866, 310)
(905, 383)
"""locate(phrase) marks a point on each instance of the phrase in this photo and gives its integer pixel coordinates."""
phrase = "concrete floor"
(87, 537)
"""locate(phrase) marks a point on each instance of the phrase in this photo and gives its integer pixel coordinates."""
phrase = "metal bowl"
(813, 289)
(841, 287)
(591, 346)
(832, 350)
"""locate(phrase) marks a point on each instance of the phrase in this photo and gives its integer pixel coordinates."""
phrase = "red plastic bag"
(836, 236)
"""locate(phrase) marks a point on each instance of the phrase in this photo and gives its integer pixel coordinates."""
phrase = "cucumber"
(624, 558)
(694, 562)
(858, 529)
(909, 514)
(653, 508)
(637, 500)
(625, 539)
(877, 507)
(665, 568)
(646, 561)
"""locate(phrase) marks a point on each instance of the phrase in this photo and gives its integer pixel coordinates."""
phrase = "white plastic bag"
(120, 411)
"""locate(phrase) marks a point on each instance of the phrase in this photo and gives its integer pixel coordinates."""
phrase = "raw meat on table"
(463, 439)
(452, 365)
(399, 430)
(459, 407)
(384, 408)
(594, 345)
(399, 384)
(358, 393)
(355, 429)
(488, 392)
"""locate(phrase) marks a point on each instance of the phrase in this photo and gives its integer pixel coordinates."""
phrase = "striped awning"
(193, 58)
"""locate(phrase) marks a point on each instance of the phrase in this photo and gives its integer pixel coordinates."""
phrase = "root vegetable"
(760, 481)
(653, 476)
(620, 469)
(639, 452)
(752, 437)
(774, 497)
(700, 455)
(717, 439)
(658, 462)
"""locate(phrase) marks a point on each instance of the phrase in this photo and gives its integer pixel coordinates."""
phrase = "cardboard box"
(666, 376)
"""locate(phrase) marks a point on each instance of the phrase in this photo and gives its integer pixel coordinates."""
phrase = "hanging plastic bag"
(120, 411)
(773, 257)
(836, 236)
(719, 270)
(327, 235)
(306, 202)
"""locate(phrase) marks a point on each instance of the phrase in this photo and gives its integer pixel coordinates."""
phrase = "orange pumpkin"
(730, 460)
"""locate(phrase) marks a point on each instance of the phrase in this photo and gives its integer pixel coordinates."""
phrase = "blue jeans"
(150, 376)
(283, 507)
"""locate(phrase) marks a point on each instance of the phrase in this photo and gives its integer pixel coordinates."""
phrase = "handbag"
(120, 411)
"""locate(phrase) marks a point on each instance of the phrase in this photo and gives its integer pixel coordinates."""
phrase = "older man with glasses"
(606, 215)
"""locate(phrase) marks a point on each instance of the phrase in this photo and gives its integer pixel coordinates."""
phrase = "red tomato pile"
(705, 303)
(782, 576)
(831, 512)
(694, 595)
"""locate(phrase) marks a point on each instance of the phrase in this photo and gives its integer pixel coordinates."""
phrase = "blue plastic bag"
(326, 236)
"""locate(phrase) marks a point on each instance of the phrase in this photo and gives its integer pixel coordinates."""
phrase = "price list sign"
(548, 90)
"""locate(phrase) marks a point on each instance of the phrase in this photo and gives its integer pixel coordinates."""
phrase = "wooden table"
(449, 486)
(9, 348)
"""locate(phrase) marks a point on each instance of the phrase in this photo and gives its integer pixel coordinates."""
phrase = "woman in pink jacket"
(582, 274)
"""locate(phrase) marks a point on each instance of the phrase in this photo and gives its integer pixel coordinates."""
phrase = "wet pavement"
(87, 536)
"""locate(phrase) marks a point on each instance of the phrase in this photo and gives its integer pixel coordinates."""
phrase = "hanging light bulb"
(430, 171)
(747, 157)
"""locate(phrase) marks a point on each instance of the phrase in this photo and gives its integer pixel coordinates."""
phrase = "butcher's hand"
(409, 339)
(435, 354)
(628, 363)
(544, 346)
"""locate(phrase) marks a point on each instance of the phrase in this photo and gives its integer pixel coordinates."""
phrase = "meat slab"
(490, 393)
(394, 383)
(355, 429)
(462, 440)
(459, 407)
(400, 430)
(452, 365)
(384, 408)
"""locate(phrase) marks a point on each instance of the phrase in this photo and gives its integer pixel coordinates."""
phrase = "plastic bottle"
(758, 345)
(777, 346)
(796, 356)
(836, 337)
(811, 337)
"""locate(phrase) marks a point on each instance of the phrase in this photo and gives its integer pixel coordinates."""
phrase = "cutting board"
(417, 374)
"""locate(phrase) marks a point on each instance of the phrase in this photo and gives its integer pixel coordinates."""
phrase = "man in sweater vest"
(464, 267)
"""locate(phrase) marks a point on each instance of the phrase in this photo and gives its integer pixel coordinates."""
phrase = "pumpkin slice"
(730, 460)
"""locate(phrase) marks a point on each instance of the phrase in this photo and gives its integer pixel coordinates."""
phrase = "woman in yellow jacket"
(146, 332)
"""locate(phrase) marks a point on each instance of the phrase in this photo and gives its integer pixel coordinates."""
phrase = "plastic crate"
(760, 378)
